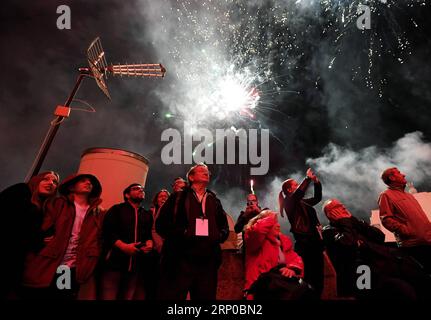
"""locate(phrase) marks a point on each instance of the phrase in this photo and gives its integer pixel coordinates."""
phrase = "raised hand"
(311, 175)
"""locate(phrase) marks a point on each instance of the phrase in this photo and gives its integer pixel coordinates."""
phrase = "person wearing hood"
(69, 258)
(402, 214)
(21, 205)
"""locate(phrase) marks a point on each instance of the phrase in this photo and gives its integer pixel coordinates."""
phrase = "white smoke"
(354, 176)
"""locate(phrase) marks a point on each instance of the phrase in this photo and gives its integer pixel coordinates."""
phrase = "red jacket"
(41, 267)
(262, 251)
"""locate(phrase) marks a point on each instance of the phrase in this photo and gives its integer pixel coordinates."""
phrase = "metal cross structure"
(99, 70)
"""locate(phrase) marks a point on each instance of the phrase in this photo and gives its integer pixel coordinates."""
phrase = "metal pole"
(55, 124)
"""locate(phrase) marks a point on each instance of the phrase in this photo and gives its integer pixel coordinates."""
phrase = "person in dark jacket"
(22, 215)
(351, 243)
(251, 210)
(127, 241)
(156, 204)
(71, 254)
(193, 224)
(305, 225)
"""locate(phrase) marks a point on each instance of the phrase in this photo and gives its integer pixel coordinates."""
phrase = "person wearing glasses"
(251, 210)
(127, 240)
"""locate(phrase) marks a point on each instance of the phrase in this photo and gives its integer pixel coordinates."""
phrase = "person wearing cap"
(193, 225)
(127, 244)
(22, 214)
(76, 219)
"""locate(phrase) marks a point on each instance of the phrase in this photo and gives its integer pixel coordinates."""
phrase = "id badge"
(202, 227)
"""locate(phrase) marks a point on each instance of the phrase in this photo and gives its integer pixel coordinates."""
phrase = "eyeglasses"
(137, 188)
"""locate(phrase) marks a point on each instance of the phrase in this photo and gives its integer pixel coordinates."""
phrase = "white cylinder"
(116, 169)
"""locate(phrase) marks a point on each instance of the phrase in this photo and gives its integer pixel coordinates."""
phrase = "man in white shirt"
(76, 220)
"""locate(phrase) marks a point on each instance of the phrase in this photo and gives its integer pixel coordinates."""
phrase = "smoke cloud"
(353, 177)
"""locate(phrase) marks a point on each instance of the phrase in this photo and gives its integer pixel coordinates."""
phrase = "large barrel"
(115, 169)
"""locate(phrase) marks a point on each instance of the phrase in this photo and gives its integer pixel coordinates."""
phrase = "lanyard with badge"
(202, 222)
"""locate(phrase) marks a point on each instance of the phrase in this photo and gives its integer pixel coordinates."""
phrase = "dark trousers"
(182, 276)
(151, 275)
(312, 256)
(121, 285)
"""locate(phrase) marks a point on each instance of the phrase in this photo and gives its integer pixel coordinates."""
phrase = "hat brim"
(64, 188)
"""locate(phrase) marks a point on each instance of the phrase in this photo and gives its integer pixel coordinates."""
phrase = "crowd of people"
(61, 244)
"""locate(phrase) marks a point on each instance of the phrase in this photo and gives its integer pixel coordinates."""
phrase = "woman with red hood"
(22, 215)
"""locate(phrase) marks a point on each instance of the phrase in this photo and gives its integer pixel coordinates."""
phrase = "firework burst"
(232, 59)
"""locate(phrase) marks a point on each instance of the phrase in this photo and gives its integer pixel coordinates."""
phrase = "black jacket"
(341, 240)
(177, 221)
(351, 242)
(21, 232)
(300, 212)
(119, 224)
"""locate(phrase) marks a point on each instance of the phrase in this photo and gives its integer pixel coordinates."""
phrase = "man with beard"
(127, 241)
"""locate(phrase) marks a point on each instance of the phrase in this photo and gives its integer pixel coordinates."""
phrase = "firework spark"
(232, 58)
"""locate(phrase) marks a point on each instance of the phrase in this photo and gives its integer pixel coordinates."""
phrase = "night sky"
(346, 102)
